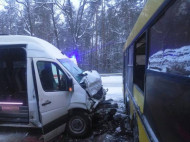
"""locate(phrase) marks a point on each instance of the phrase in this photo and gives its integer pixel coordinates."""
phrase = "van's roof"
(35, 47)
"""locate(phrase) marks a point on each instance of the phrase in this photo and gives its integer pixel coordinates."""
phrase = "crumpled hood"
(92, 82)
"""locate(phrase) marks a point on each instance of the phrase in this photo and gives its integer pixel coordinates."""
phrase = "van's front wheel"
(79, 125)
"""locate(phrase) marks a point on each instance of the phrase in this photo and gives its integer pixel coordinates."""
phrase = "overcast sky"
(2, 3)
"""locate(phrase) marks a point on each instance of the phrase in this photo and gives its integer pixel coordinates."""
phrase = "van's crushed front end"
(92, 83)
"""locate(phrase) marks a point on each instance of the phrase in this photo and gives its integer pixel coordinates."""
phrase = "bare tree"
(27, 6)
(55, 26)
(75, 19)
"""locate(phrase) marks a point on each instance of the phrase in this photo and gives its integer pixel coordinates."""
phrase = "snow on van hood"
(92, 81)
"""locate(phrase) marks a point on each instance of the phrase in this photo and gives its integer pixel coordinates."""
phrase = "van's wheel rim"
(77, 125)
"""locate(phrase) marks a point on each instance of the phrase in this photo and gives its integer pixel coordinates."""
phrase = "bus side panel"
(132, 108)
(167, 106)
(143, 137)
(139, 98)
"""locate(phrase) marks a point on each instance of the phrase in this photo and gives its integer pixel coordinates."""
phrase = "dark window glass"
(13, 85)
(139, 65)
(170, 41)
(51, 76)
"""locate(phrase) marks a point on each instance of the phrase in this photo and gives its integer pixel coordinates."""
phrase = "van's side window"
(170, 41)
(51, 76)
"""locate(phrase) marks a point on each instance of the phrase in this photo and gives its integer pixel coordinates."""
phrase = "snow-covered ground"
(114, 86)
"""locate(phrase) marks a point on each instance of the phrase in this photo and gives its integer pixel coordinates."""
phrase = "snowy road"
(114, 85)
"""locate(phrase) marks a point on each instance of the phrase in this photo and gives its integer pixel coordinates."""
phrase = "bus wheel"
(79, 125)
(135, 129)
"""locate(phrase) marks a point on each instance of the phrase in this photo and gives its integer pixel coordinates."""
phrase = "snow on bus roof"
(35, 47)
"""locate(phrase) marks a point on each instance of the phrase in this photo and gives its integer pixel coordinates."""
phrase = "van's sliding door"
(53, 99)
(13, 85)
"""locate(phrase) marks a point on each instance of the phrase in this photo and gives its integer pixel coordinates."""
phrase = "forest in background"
(94, 31)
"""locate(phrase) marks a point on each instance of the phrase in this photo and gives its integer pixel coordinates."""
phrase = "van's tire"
(79, 125)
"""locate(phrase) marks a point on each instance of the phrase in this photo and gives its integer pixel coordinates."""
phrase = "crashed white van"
(42, 90)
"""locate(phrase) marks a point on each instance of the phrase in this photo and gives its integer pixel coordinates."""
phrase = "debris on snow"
(118, 129)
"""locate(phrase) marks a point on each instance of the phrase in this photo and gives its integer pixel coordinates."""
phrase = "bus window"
(126, 67)
(130, 68)
(167, 84)
(140, 61)
(170, 41)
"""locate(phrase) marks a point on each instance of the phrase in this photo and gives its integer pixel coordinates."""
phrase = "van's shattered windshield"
(72, 68)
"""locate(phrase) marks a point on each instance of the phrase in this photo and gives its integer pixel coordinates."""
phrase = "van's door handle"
(46, 103)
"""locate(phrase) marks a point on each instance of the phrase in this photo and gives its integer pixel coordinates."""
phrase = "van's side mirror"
(70, 85)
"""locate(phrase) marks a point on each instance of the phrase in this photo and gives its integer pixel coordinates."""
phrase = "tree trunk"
(54, 27)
